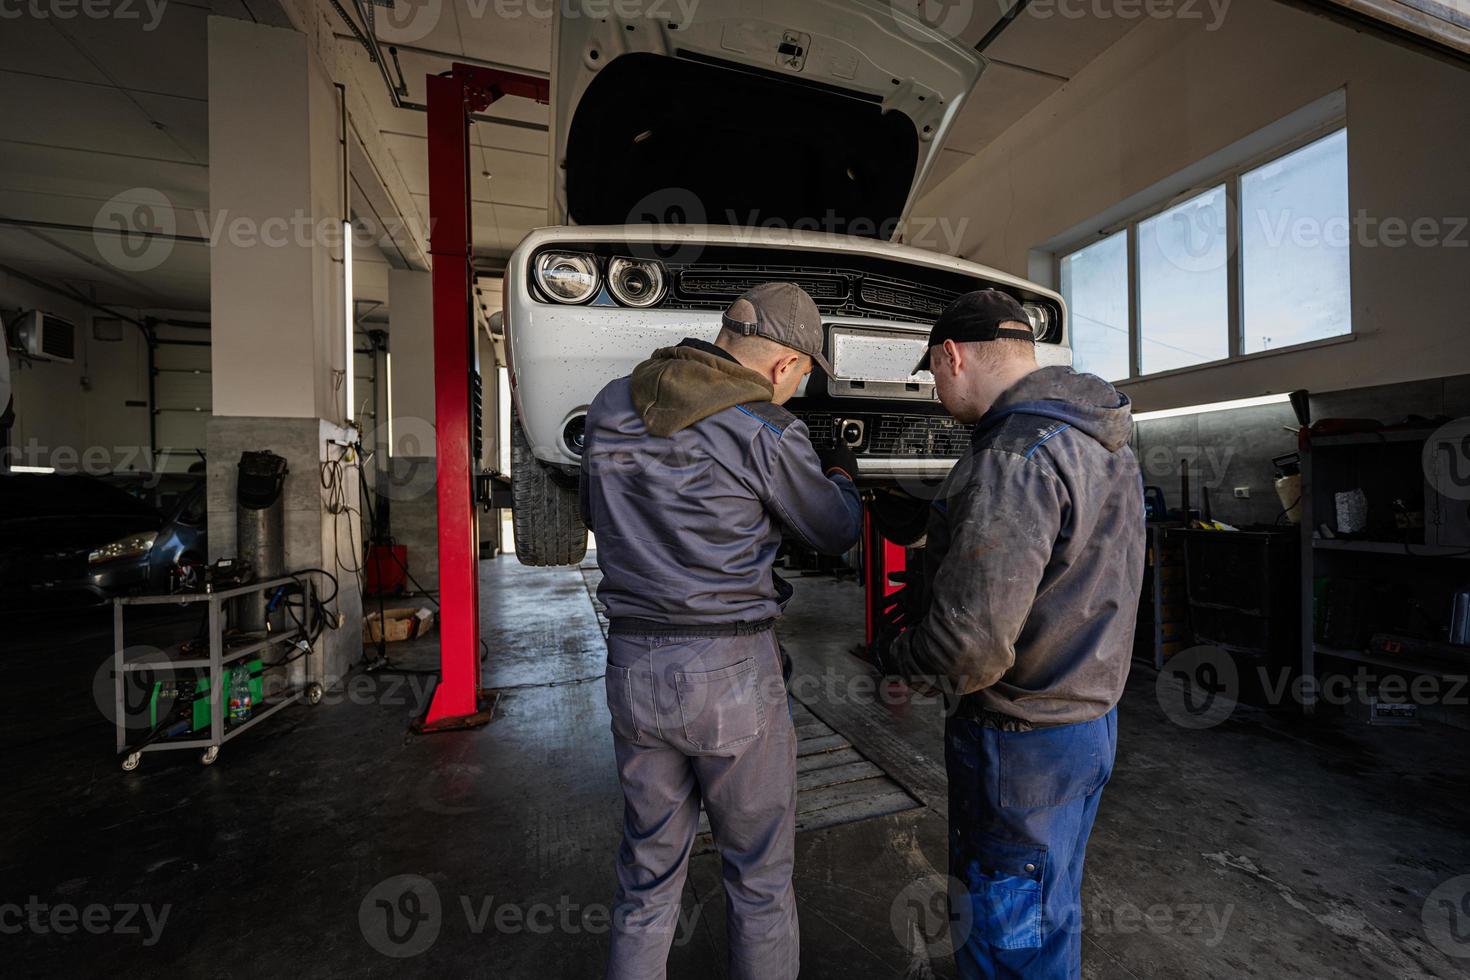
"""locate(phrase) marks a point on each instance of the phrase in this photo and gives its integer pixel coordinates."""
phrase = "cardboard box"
(401, 624)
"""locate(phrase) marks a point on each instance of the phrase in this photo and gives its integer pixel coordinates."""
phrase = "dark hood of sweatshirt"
(678, 386)
(1085, 401)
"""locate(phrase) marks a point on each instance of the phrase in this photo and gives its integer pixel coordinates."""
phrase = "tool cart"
(213, 683)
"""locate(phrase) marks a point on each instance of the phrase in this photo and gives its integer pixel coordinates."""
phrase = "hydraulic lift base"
(484, 714)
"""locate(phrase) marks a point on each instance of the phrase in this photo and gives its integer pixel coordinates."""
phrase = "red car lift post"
(881, 558)
(452, 98)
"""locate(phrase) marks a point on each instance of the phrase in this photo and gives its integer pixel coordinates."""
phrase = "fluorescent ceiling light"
(1170, 413)
(348, 384)
(33, 469)
(388, 360)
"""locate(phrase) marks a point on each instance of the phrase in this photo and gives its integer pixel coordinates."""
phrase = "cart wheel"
(313, 693)
(131, 762)
(210, 754)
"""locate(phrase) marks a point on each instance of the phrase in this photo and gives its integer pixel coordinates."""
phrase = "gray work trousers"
(703, 719)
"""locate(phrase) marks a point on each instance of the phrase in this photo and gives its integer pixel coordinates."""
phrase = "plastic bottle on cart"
(239, 703)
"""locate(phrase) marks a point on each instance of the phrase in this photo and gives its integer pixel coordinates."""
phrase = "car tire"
(545, 510)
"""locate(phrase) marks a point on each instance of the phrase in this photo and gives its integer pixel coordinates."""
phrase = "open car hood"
(822, 115)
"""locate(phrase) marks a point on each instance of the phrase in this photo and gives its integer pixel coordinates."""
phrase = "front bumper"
(561, 356)
(90, 588)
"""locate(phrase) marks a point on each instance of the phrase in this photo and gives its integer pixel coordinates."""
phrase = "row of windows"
(1155, 295)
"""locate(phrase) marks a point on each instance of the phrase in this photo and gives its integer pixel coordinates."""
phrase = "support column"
(277, 304)
(457, 695)
(451, 98)
(410, 489)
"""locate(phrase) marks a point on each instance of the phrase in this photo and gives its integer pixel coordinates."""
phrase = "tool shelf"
(220, 657)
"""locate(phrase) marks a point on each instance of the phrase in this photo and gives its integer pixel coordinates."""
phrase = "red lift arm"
(452, 98)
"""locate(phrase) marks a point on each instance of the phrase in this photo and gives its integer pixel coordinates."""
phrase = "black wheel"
(544, 507)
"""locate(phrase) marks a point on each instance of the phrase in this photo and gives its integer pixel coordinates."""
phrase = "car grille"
(838, 292)
(893, 435)
(723, 286)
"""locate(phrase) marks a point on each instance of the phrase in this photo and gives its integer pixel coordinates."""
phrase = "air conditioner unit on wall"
(45, 336)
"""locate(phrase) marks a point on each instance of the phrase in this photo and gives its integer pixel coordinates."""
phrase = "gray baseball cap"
(783, 312)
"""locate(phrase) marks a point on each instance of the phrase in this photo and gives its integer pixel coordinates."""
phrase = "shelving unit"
(1164, 616)
(219, 658)
(1391, 548)
(1388, 663)
(1385, 464)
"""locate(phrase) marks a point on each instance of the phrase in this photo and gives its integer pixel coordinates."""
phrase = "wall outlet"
(1242, 493)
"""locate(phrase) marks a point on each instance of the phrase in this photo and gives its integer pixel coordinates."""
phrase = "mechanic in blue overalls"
(1023, 616)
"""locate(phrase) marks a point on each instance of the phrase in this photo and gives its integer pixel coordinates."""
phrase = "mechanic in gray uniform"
(691, 474)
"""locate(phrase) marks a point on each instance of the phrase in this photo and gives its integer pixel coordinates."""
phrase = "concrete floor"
(1265, 847)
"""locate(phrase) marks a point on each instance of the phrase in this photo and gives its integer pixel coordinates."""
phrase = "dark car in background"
(73, 539)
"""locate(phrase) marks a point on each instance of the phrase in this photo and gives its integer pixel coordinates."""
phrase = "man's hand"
(839, 459)
(903, 608)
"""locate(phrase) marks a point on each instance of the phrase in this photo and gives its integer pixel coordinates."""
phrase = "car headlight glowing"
(1041, 320)
(132, 546)
(635, 282)
(567, 277)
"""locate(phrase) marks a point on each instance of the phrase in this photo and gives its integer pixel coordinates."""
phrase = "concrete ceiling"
(95, 109)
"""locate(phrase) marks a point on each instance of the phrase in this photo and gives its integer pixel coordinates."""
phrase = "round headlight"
(567, 277)
(635, 282)
(1041, 320)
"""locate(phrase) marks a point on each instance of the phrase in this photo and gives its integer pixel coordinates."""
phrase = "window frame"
(1234, 276)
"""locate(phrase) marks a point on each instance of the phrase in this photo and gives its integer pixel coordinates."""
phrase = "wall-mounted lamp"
(1169, 413)
(348, 382)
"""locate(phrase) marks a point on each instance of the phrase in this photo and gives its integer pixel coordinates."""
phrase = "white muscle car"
(696, 158)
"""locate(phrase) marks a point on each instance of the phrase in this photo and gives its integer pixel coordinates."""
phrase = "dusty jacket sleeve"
(1002, 528)
(824, 512)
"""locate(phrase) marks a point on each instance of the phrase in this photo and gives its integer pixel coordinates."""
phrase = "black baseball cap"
(977, 316)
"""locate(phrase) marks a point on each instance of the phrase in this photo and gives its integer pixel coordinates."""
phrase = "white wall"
(411, 339)
(274, 185)
(1170, 94)
(60, 420)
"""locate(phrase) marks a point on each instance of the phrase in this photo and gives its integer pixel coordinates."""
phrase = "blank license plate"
(878, 356)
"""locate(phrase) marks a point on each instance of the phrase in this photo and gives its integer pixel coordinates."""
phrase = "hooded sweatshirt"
(690, 475)
(1034, 560)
